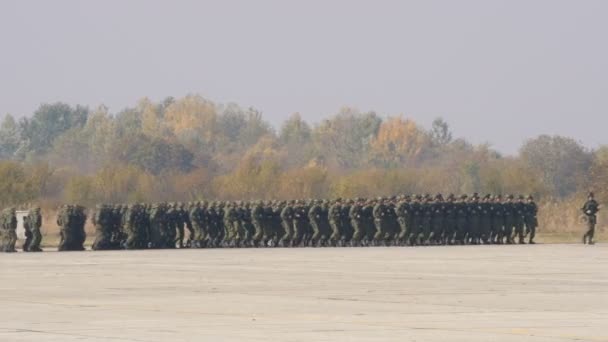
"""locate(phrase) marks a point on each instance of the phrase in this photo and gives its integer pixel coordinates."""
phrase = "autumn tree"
(560, 162)
(399, 142)
(344, 139)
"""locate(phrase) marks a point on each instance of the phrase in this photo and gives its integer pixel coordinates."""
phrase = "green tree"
(561, 162)
(48, 123)
(440, 133)
(10, 137)
(344, 140)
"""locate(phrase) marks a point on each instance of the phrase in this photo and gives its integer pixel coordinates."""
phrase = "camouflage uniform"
(102, 220)
(590, 209)
(300, 224)
(509, 221)
(257, 220)
(287, 222)
(335, 222)
(9, 234)
(519, 211)
(355, 215)
(380, 222)
(530, 219)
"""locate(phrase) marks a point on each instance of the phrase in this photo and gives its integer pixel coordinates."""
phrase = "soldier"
(426, 208)
(462, 219)
(380, 221)
(530, 218)
(229, 218)
(170, 225)
(197, 220)
(276, 208)
(509, 221)
(300, 221)
(346, 234)
(496, 219)
(257, 220)
(416, 220)
(71, 219)
(308, 231)
(157, 216)
(335, 222)
(102, 220)
(248, 226)
(9, 227)
(213, 230)
(438, 220)
(355, 215)
(324, 225)
(116, 222)
(179, 220)
(590, 209)
(63, 217)
(28, 234)
(392, 226)
(519, 212)
(287, 222)
(80, 219)
(485, 219)
(239, 225)
(271, 235)
(135, 228)
(474, 220)
(450, 220)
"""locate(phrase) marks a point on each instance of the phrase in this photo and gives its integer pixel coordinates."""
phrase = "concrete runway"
(470, 293)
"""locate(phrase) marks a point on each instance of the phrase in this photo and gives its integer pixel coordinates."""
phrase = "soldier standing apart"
(9, 234)
(590, 209)
(530, 218)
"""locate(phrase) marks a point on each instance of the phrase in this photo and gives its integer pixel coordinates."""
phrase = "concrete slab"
(471, 293)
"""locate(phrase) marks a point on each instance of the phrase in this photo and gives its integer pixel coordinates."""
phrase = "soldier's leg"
(508, 232)
(36, 240)
(590, 232)
(520, 232)
(414, 232)
(335, 233)
(190, 229)
(296, 238)
(258, 234)
(407, 234)
(379, 232)
(180, 235)
(12, 240)
(461, 231)
(532, 233)
(426, 232)
(357, 234)
(287, 236)
(28, 241)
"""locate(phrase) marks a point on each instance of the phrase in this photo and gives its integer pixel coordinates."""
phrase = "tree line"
(192, 148)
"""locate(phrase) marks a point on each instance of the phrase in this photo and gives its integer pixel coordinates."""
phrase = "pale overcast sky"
(497, 71)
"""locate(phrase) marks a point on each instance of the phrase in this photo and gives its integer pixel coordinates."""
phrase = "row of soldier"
(397, 221)
(31, 224)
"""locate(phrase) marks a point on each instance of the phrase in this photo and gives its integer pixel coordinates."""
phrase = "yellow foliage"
(307, 182)
(192, 114)
(399, 141)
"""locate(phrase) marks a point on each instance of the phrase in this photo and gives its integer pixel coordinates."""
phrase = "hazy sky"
(497, 71)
